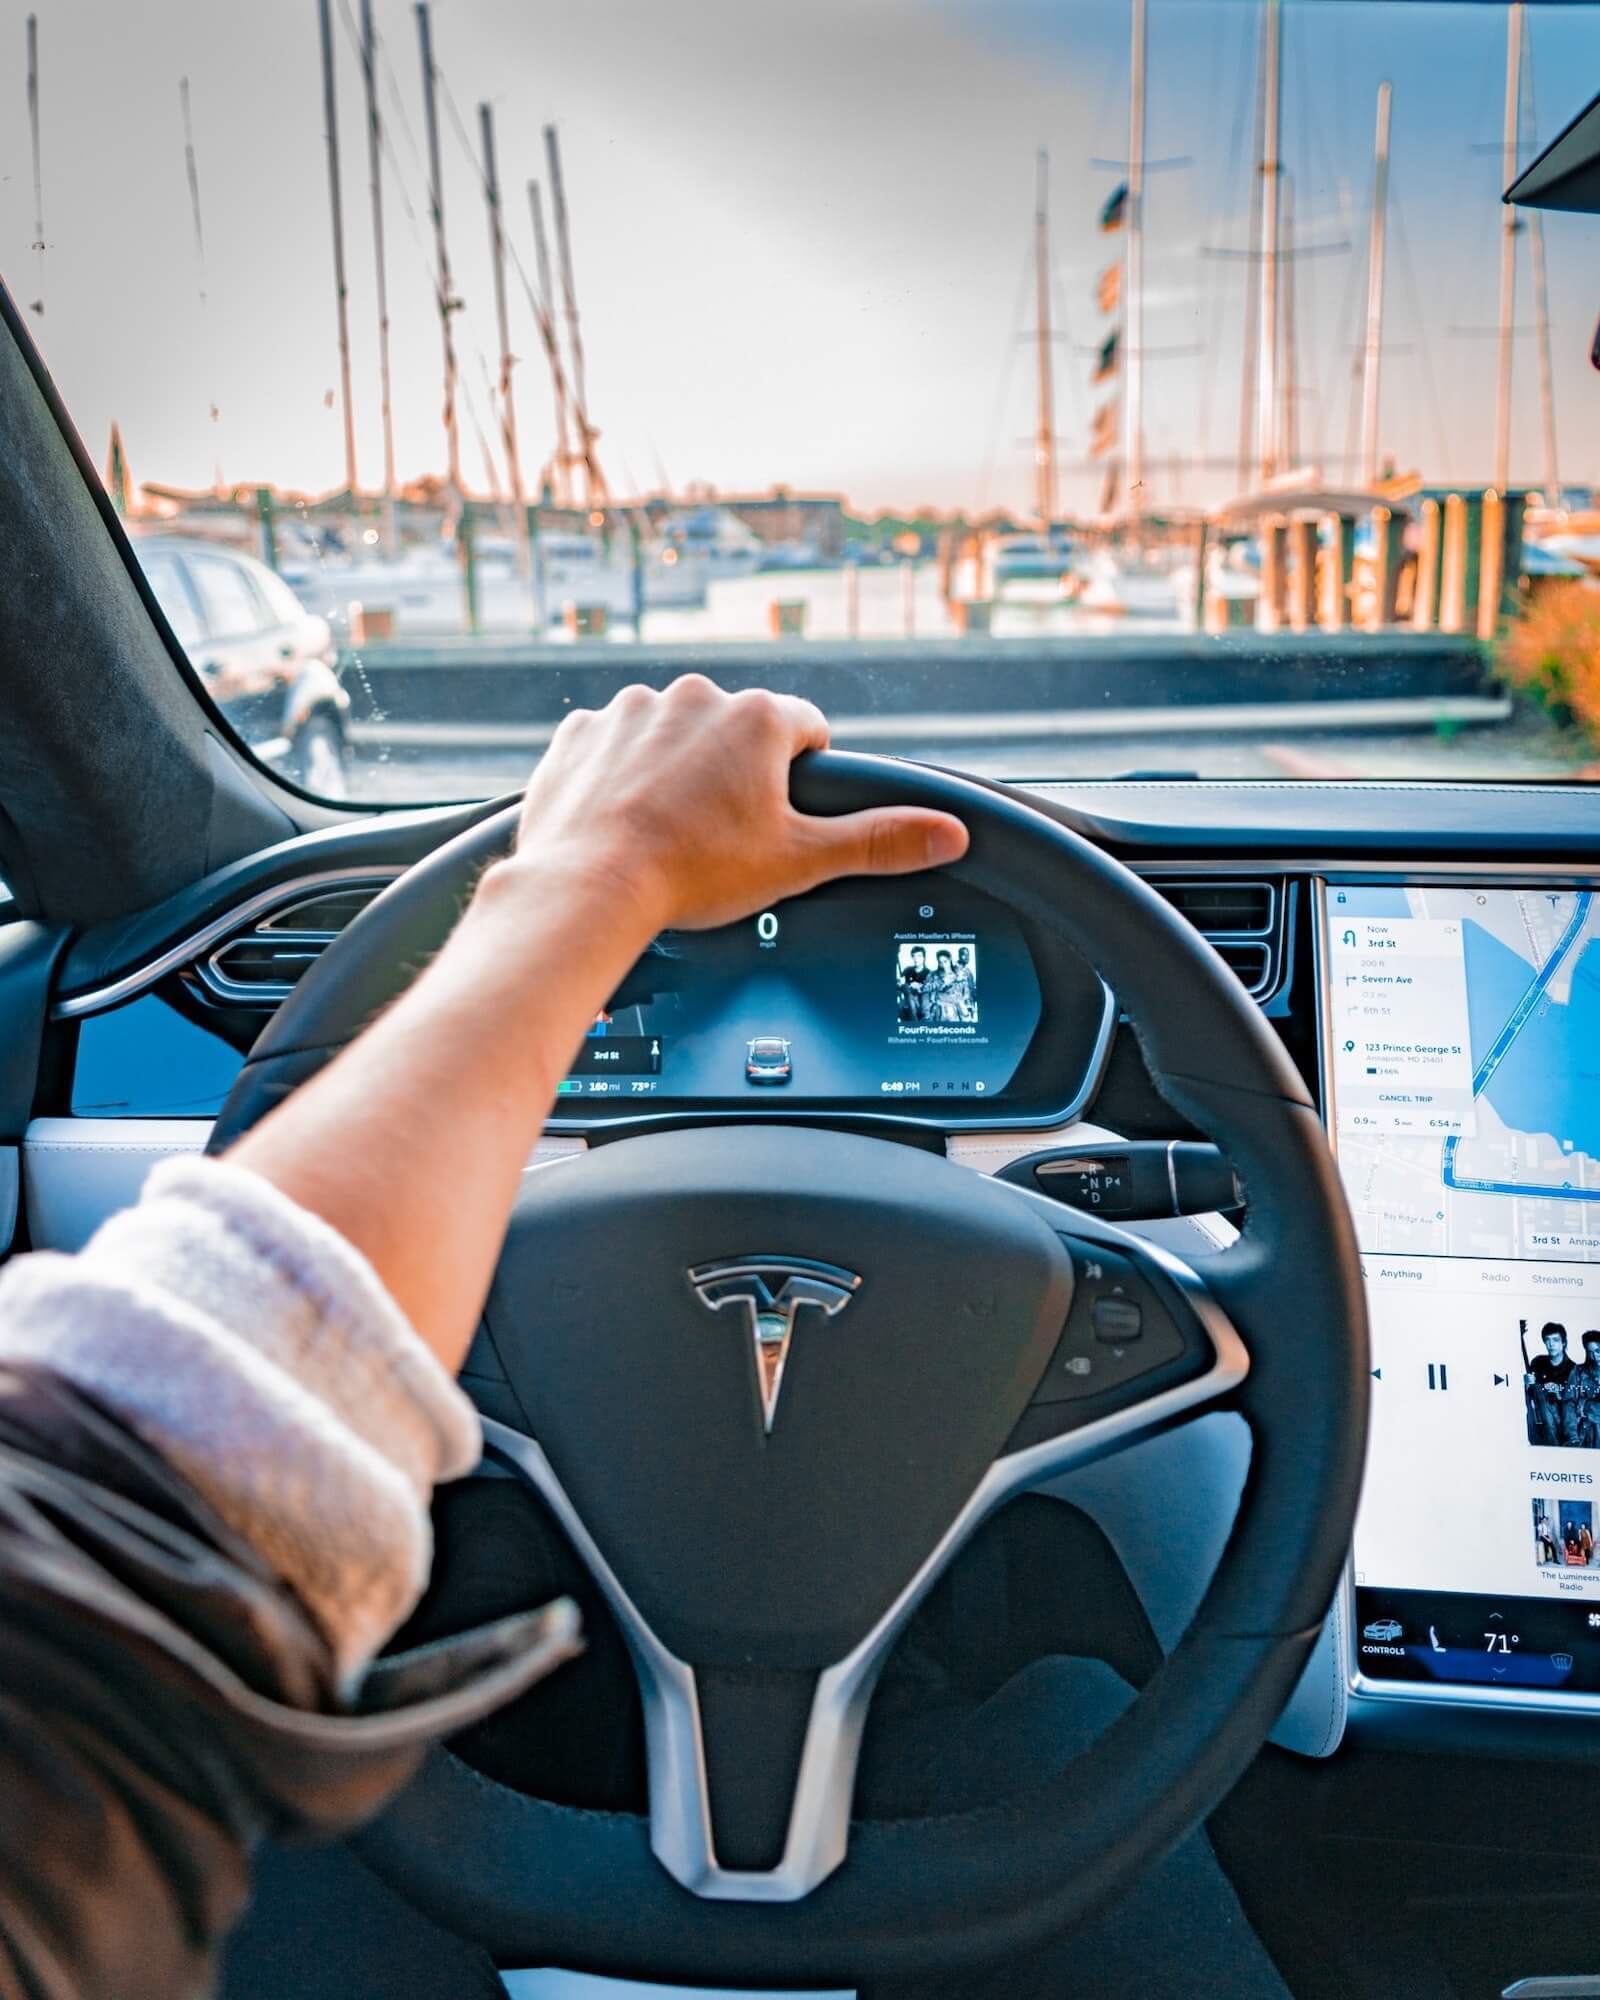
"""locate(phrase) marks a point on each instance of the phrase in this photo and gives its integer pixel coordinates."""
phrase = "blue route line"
(1518, 1020)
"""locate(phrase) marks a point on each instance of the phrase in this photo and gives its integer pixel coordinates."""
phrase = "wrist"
(595, 897)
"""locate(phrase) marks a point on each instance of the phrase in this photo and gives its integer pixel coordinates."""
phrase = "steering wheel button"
(1116, 1321)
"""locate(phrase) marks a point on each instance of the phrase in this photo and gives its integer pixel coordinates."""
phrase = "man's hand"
(678, 801)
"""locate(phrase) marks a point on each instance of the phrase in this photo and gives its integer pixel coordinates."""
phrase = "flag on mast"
(1115, 212)
(1103, 431)
(1108, 289)
(1105, 361)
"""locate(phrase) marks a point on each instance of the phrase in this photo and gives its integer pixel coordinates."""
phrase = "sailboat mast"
(369, 79)
(446, 300)
(552, 349)
(1133, 379)
(1252, 287)
(1044, 450)
(1547, 396)
(1508, 247)
(1267, 367)
(1289, 423)
(569, 299)
(1541, 308)
(341, 288)
(1373, 358)
(508, 403)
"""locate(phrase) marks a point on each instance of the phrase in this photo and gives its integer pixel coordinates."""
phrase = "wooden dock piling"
(1425, 596)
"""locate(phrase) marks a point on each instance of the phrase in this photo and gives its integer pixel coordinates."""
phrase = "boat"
(710, 545)
(794, 555)
(424, 589)
(1233, 577)
(1032, 558)
(1124, 585)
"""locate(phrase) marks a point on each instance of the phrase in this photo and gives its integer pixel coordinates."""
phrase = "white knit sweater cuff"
(260, 1354)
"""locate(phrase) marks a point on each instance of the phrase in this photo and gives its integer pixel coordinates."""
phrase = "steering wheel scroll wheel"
(773, 1377)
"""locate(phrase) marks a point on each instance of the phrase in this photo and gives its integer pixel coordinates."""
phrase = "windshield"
(1051, 391)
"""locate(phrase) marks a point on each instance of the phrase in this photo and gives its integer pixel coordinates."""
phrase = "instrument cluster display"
(891, 998)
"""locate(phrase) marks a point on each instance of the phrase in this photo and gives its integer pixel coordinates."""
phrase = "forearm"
(412, 1142)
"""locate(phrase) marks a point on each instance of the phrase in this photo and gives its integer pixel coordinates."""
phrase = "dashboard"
(1444, 1006)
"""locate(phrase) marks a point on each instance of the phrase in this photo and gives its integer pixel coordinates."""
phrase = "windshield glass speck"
(1135, 386)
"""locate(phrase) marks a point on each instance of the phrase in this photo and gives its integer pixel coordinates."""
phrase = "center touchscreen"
(1464, 1028)
(862, 997)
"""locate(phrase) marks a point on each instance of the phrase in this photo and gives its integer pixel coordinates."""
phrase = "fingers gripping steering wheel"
(761, 1577)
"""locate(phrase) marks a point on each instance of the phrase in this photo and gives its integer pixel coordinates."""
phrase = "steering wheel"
(945, 1340)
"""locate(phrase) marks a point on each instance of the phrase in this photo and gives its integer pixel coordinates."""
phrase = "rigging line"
(1402, 244)
(1063, 338)
(1539, 247)
(1310, 118)
(423, 251)
(1348, 352)
(1209, 289)
(1491, 75)
(466, 146)
(192, 172)
(1008, 369)
(458, 124)
(397, 101)
(1341, 81)
(1313, 431)
(1105, 98)
(425, 255)
(1324, 375)
(1211, 270)
(386, 126)
(497, 490)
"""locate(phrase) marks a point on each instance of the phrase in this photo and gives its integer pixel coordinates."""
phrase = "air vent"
(322, 915)
(1242, 918)
(258, 967)
(1225, 909)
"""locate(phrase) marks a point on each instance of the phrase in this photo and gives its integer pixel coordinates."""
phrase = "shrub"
(1552, 652)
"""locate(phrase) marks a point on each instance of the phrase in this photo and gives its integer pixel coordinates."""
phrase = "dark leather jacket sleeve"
(165, 1703)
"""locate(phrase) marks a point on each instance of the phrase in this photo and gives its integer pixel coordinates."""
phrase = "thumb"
(886, 840)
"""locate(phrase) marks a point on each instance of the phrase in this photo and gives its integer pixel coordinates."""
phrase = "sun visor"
(1567, 173)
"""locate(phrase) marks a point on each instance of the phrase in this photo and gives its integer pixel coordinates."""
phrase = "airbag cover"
(742, 1548)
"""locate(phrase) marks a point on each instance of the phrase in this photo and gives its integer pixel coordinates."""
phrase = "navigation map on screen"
(1466, 1068)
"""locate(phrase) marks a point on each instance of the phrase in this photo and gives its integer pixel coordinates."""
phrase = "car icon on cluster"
(767, 1060)
(1383, 1629)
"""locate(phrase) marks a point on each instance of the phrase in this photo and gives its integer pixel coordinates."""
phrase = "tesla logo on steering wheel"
(772, 1290)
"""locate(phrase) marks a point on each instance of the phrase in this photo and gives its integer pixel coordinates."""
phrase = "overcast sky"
(800, 232)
